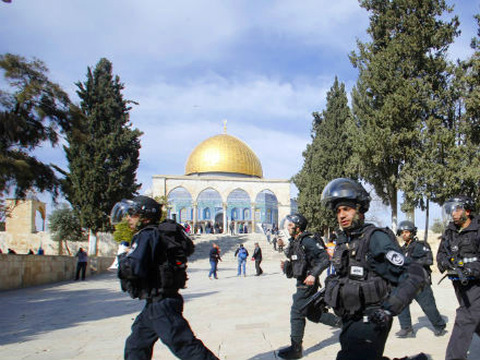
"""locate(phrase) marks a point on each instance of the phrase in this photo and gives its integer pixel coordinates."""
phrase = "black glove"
(381, 317)
(446, 265)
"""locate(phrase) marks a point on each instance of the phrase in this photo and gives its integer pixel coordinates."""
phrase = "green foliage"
(33, 110)
(103, 149)
(326, 158)
(65, 225)
(163, 200)
(398, 102)
(123, 232)
(438, 226)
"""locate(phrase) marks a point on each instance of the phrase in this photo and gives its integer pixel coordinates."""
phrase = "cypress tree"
(103, 151)
(326, 158)
(402, 77)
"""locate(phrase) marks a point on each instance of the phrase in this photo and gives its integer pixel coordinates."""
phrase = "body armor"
(355, 287)
(297, 256)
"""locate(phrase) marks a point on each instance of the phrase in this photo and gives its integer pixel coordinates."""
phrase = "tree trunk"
(427, 215)
(394, 206)
(92, 243)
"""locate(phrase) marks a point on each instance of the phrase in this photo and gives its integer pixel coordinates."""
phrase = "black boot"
(292, 352)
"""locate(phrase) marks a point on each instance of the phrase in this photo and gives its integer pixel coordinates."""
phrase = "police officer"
(420, 252)
(459, 254)
(373, 280)
(162, 316)
(306, 259)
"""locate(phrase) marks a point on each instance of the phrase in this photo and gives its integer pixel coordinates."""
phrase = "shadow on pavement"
(31, 311)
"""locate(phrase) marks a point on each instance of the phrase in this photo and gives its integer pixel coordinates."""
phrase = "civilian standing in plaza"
(459, 255)
(420, 252)
(257, 256)
(81, 263)
(242, 255)
(214, 259)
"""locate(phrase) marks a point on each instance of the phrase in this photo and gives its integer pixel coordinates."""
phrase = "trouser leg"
(139, 345)
(84, 269)
(175, 332)
(297, 315)
(405, 319)
(467, 321)
(360, 341)
(426, 300)
(463, 329)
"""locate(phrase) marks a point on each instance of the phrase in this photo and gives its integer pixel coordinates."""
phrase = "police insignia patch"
(395, 258)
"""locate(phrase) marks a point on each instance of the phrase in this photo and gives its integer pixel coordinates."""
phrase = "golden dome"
(223, 154)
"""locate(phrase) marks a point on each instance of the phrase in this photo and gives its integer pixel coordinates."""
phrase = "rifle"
(316, 301)
(456, 265)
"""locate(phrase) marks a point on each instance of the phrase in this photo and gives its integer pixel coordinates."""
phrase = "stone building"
(223, 187)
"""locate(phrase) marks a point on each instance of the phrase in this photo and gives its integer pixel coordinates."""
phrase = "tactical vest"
(466, 246)
(355, 287)
(298, 257)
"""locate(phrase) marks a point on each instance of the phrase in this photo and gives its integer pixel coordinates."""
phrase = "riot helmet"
(406, 225)
(461, 202)
(143, 206)
(344, 191)
(299, 221)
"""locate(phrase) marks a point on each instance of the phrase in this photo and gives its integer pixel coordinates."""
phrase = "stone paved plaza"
(238, 318)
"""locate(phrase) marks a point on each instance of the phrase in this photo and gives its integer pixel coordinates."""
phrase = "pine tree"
(33, 110)
(326, 158)
(103, 151)
(402, 77)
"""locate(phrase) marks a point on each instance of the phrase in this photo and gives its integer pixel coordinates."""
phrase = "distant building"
(223, 186)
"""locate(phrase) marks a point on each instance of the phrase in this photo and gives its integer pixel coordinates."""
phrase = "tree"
(102, 151)
(65, 226)
(33, 111)
(123, 232)
(326, 158)
(402, 79)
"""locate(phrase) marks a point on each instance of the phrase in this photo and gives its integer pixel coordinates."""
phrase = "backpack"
(242, 253)
(179, 246)
(171, 274)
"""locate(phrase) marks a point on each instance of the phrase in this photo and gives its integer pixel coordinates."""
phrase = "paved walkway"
(238, 318)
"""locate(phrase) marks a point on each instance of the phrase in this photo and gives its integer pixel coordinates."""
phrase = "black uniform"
(162, 316)
(464, 245)
(305, 257)
(420, 252)
(372, 276)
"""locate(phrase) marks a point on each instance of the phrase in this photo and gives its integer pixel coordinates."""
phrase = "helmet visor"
(120, 211)
(448, 209)
(283, 228)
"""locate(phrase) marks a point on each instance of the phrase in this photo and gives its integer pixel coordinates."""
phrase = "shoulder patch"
(395, 258)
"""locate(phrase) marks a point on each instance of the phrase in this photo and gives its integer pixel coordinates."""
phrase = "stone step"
(229, 243)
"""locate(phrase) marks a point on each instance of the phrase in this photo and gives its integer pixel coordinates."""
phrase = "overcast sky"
(265, 66)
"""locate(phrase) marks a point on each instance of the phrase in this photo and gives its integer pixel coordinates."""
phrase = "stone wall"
(19, 271)
(21, 243)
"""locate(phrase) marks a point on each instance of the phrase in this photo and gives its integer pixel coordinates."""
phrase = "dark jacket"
(462, 244)
(371, 272)
(306, 256)
(257, 254)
